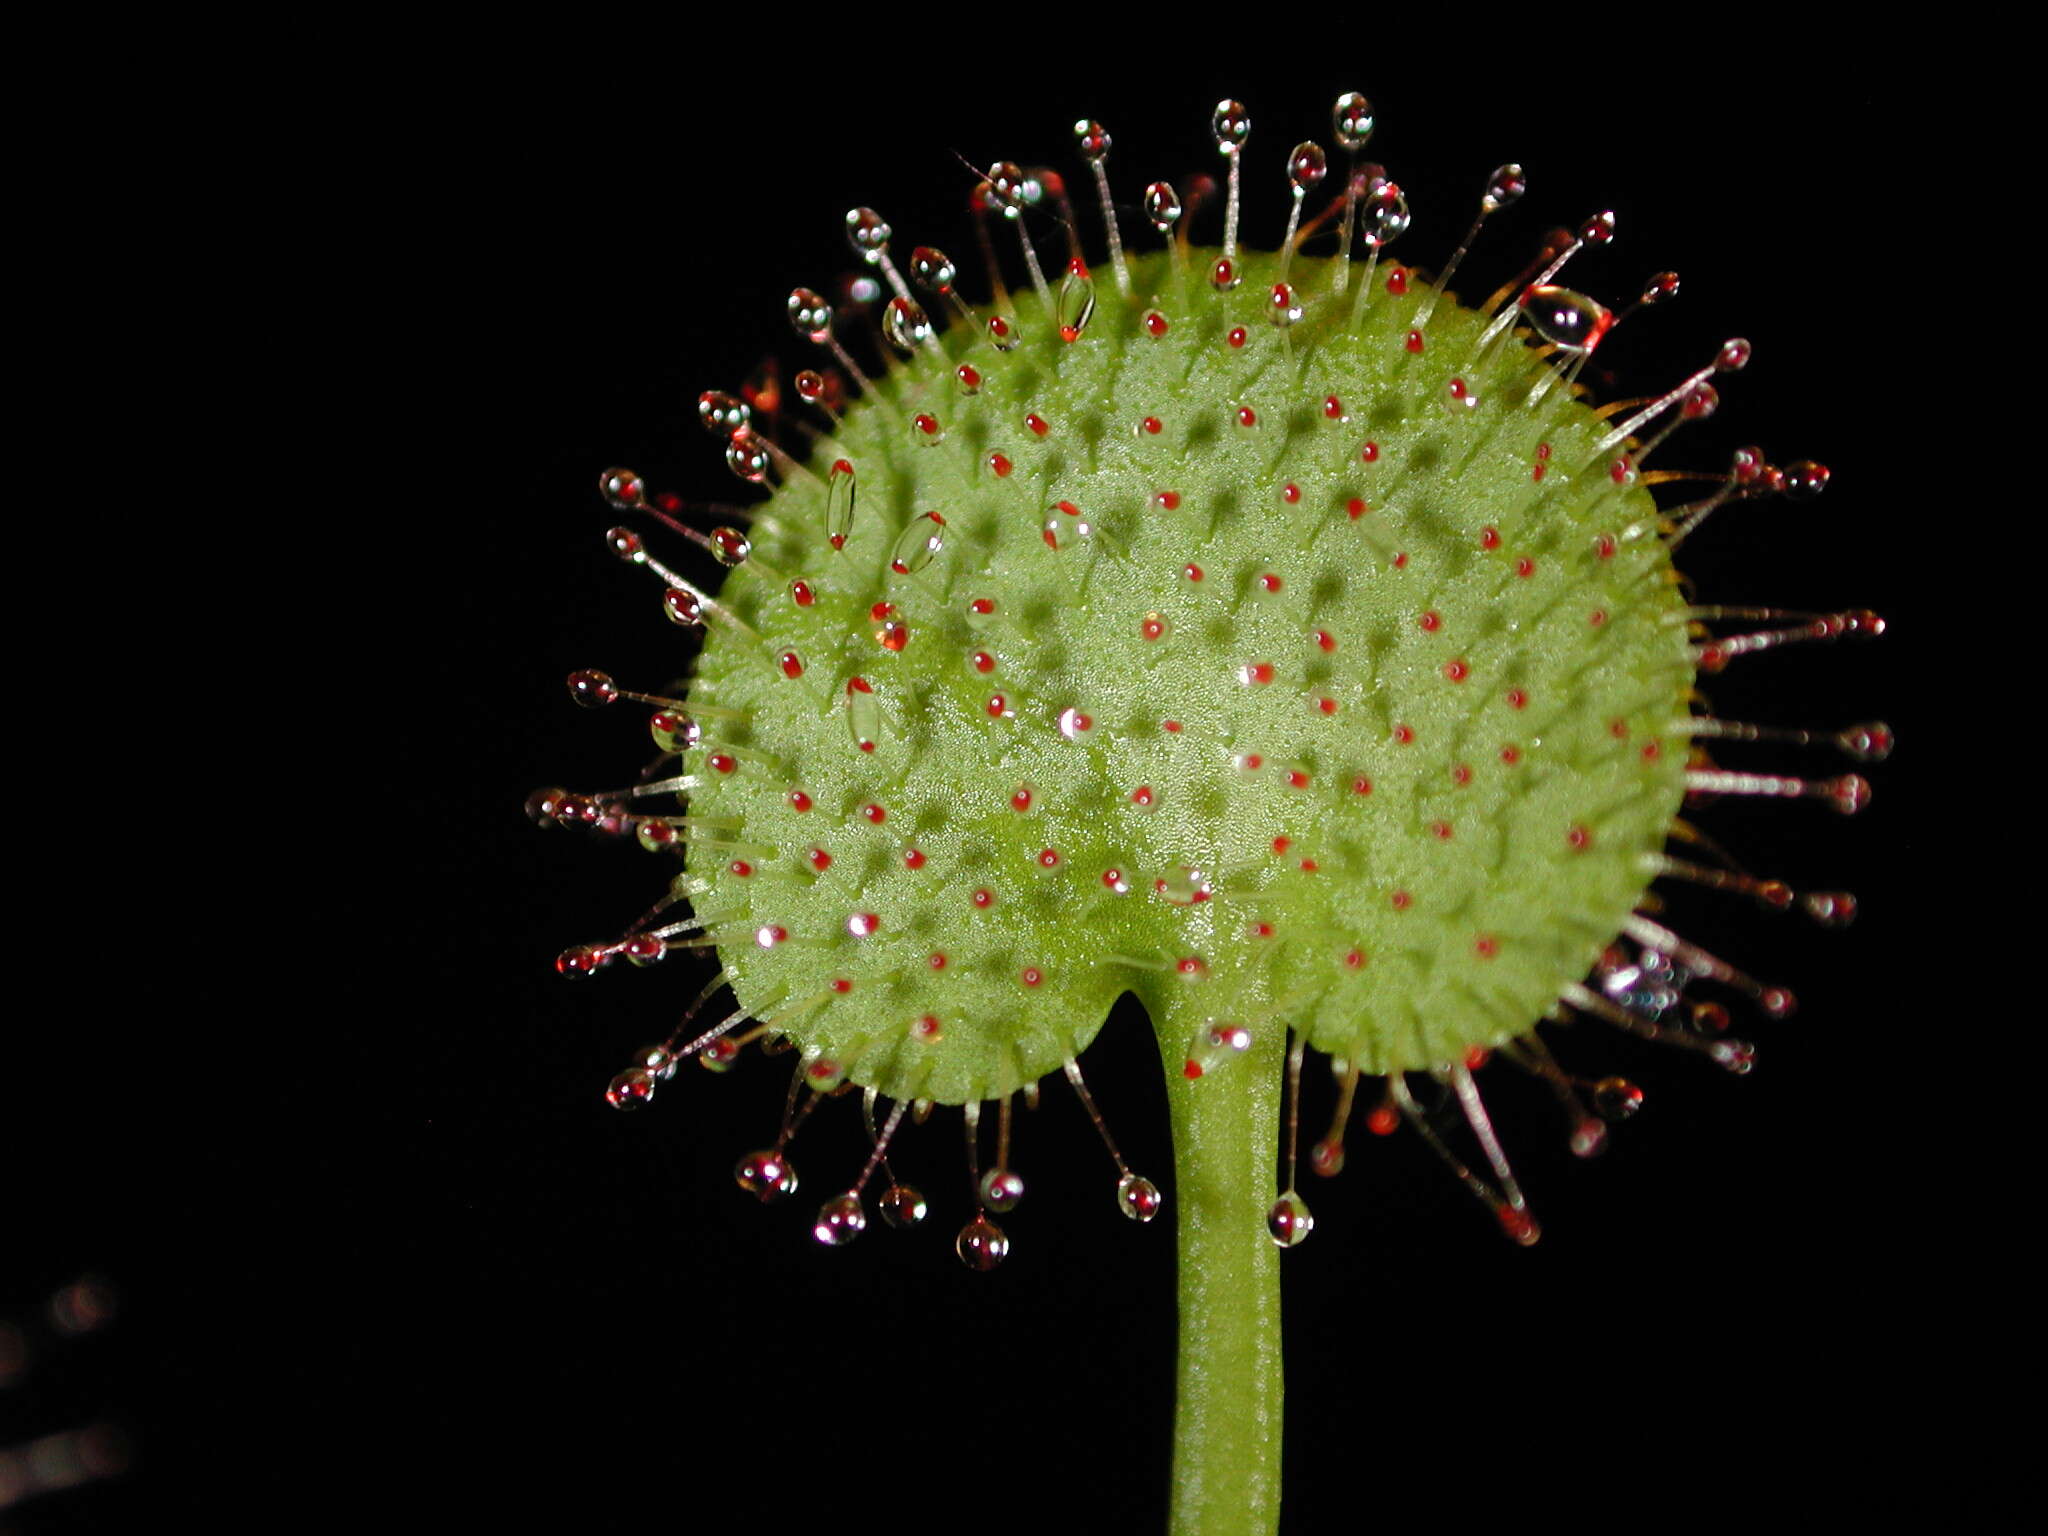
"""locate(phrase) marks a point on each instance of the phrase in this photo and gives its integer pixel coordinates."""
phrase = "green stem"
(1226, 1428)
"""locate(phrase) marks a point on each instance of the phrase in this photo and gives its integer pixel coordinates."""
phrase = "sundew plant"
(1233, 598)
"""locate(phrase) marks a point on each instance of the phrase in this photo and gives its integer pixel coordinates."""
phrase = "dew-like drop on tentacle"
(1231, 125)
(1076, 302)
(730, 547)
(1215, 1044)
(623, 489)
(1616, 1098)
(767, 1175)
(722, 414)
(1568, 320)
(1306, 167)
(932, 269)
(840, 1220)
(1870, 742)
(809, 315)
(1805, 480)
(592, 689)
(1503, 189)
(674, 731)
(748, 457)
(1001, 1189)
(1138, 1197)
(658, 1059)
(1351, 120)
(982, 1245)
(863, 713)
(1289, 1222)
(1162, 206)
(683, 607)
(1009, 187)
(919, 544)
(902, 1207)
(631, 1089)
(839, 485)
(867, 232)
(906, 325)
(1385, 216)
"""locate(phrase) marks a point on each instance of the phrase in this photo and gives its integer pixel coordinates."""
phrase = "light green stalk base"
(1226, 1428)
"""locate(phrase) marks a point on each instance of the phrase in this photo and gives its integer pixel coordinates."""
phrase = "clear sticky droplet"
(1138, 1197)
(1183, 887)
(674, 731)
(863, 713)
(809, 315)
(631, 1089)
(623, 489)
(1003, 333)
(1504, 188)
(683, 607)
(767, 1175)
(982, 1245)
(919, 544)
(840, 1220)
(839, 503)
(1001, 1189)
(1283, 305)
(1289, 1222)
(932, 269)
(1599, 229)
(1076, 303)
(906, 325)
(747, 456)
(1351, 121)
(1385, 216)
(868, 233)
(1869, 742)
(1616, 1098)
(1232, 125)
(903, 1207)
(1092, 138)
(592, 689)
(730, 547)
(722, 414)
(1162, 206)
(810, 386)
(1661, 289)
(1307, 165)
(1066, 526)
(658, 1059)
(1215, 1043)
(1007, 186)
(1567, 319)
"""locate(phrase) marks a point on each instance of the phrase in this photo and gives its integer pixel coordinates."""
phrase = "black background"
(460, 1282)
